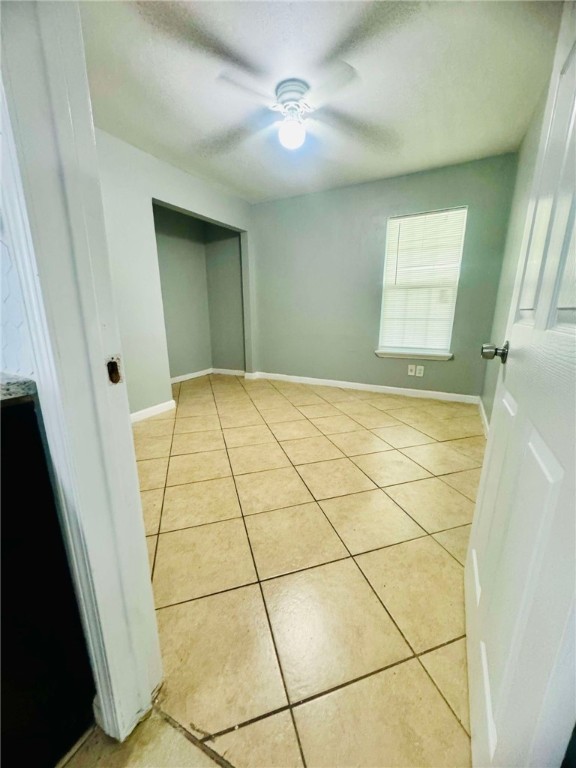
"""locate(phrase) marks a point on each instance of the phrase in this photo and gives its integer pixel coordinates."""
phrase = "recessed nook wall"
(201, 280)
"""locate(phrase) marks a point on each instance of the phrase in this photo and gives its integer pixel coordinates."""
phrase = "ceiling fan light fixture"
(291, 133)
(291, 104)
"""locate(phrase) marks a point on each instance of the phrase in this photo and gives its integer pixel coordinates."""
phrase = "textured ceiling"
(437, 83)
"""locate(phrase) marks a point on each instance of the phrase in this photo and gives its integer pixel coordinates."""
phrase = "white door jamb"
(53, 209)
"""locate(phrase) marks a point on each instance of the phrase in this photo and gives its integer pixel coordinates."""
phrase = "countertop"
(15, 388)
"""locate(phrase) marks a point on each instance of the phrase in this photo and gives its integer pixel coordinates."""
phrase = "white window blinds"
(421, 271)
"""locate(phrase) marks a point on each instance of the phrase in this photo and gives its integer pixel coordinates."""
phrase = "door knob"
(490, 351)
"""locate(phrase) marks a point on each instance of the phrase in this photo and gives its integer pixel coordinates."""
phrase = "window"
(421, 271)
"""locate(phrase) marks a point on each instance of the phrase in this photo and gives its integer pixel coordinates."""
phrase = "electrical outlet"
(419, 370)
(411, 370)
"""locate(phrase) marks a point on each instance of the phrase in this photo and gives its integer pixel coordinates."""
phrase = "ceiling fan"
(290, 102)
(293, 98)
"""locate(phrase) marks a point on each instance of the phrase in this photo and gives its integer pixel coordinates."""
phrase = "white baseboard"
(207, 372)
(227, 372)
(427, 393)
(195, 375)
(405, 391)
(484, 417)
(154, 410)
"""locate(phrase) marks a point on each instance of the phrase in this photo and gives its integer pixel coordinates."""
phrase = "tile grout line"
(368, 429)
(198, 743)
(305, 418)
(328, 498)
(199, 525)
(153, 569)
(433, 533)
(440, 474)
(209, 594)
(392, 619)
(400, 450)
(398, 418)
(425, 534)
(356, 564)
(435, 684)
(440, 645)
(319, 461)
(265, 579)
(313, 697)
(270, 629)
(448, 551)
(415, 655)
(244, 723)
(453, 528)
(328, 691)
(456, 489)
(267, 613)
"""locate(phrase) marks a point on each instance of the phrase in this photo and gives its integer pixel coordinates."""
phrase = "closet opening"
(201, 280)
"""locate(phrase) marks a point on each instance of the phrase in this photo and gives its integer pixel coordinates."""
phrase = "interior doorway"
(201, 279)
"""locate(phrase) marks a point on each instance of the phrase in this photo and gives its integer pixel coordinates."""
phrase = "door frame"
(54, 220)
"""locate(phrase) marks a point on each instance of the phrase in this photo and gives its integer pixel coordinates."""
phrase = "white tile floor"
(307, 548)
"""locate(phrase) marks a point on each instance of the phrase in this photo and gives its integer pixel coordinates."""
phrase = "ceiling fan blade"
(318, 134)
(231, 138)
(377, 18)
(340, 76)
(252, 89)
(176, 20)
(375, 135)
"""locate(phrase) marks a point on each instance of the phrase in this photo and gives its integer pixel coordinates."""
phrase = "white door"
(520, 572)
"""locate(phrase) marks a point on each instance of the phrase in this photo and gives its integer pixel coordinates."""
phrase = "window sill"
(415, 354)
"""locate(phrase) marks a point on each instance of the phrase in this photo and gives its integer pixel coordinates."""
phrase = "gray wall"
(201, 281)
(182, 262)
(319, 262)
(521, 199)
(312, 269)
(224, 272)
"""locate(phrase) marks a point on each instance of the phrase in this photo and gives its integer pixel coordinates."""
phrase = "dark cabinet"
(47, 683)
